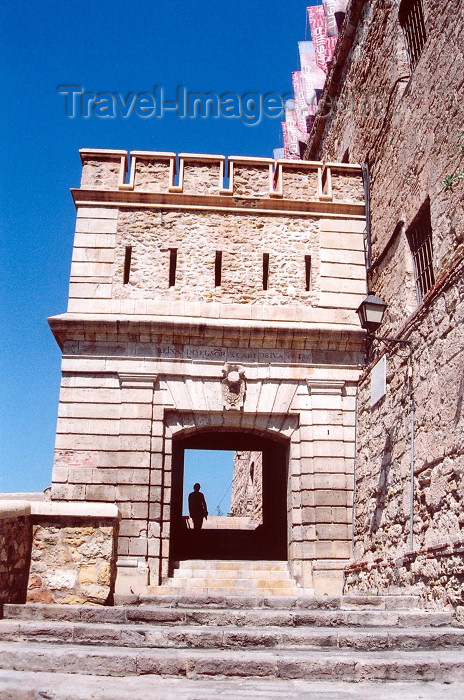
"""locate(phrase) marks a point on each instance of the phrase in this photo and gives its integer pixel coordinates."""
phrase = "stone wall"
(15, 550)
(242, 240)
(57, 553)
(405, 124)
(309, 230)
(435, 574)
(383, 482)
(247, 486)
(407, 131)
(73, 561)
(336, 273)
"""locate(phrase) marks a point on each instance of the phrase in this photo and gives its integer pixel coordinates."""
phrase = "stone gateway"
(208, 314)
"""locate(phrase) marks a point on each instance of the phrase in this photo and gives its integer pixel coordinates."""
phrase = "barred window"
(419, 237)
(411, 18)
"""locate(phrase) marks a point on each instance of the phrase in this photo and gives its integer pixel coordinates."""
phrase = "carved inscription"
(220, 354)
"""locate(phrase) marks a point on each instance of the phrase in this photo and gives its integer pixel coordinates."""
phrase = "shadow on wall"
(382, 486)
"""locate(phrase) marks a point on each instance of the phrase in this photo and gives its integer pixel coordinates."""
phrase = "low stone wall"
(434, 573)
(58, 552)
(73, 558)
(15, 550)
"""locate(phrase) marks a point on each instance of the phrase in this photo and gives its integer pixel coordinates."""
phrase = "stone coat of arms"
(233, 385)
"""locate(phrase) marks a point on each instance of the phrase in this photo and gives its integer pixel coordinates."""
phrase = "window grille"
(411, 18)
(420, 241)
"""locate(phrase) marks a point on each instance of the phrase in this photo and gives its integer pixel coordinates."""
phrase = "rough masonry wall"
(382, 514)
(337, 275)
(242, 239)
(407, 130)
(202, 219)
(15, 554)
(247, 486)
(73, 562)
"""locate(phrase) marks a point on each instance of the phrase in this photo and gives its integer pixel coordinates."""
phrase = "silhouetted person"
(197, 507)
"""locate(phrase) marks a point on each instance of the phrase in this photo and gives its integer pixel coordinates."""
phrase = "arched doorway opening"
(266, 541)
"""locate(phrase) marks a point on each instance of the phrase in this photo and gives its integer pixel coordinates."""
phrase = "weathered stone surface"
(247, 486)
(391, 117)
(72, 561)
(197, 238)
(15, 551)
(17, 685)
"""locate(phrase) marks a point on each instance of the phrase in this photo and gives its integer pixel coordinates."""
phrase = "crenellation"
(203, 175)
(346, 186)
(102, 169)
(152, 172)
(298, 180)
(251, 180)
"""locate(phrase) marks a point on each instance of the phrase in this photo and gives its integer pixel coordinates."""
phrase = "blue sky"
(213, 469)
(112, 47)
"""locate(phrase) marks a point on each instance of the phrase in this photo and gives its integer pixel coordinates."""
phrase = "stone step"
(233, 565)
(444, 666)
(234, 582)
(302, 599)
(222, 616)
(217, 589)
(231, 577)
(237, 574)
(17, 685)
(230, 637)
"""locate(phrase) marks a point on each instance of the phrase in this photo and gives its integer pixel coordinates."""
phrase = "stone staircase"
(250, 643)
(204, 577)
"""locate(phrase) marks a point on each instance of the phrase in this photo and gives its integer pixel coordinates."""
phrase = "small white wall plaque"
(379, 380)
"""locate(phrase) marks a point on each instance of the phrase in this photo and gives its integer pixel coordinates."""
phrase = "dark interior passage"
(268, 540)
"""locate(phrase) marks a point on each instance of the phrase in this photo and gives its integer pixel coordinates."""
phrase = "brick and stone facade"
(158, 349)
(404, 125)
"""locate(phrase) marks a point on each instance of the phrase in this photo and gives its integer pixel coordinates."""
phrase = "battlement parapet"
(197, 174)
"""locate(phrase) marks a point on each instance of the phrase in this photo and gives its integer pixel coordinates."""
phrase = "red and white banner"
(313, 77)
(289, 152)
(293, 136)
(316, 16)
(301, 107)
(331, 44)
(315, 58)
(334, 14)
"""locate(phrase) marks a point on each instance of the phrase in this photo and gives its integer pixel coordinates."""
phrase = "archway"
(269, 539)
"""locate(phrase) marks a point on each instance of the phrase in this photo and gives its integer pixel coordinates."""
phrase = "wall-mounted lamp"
(370, 313)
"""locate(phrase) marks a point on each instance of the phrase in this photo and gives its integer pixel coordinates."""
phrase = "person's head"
(196, 487)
